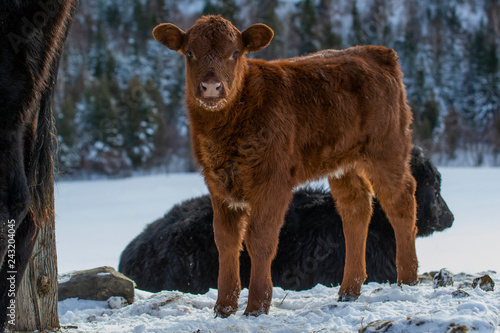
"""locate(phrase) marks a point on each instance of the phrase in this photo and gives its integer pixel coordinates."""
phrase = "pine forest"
(119, 101)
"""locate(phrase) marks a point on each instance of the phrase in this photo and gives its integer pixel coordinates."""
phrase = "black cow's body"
(177, 252)
(32, 34)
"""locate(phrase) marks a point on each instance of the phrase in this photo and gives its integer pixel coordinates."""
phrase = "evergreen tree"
(101, 141)
(452, 133)
(112, 13)
(483, 81)
(491, 78)
(327, 38)
(425, 109)
(143, 21)
(378, 29)
(226, 8)
(431, 113)
(99, 46)
(358, 37)
(104, 63)
(305, 27)
(69, 159)
(496, 139)
(166, 138)
(175, 103)
(101, 113)
(266, 13)
(66, 122)
(141, 124)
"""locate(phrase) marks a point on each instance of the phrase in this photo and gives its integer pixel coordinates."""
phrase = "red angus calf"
(261, 128)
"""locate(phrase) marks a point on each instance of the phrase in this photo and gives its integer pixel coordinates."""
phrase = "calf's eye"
(189, 54)
(235, 54)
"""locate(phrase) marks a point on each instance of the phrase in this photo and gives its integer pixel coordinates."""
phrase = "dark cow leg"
(17, 228)
(14, 195)
(13, 270)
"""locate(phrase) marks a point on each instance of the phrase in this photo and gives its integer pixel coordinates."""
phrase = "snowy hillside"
(97, 219)
(120, 94)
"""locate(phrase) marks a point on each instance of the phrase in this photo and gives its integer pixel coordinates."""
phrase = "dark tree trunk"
(36, 301)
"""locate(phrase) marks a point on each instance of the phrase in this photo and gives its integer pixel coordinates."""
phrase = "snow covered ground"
(97, 219)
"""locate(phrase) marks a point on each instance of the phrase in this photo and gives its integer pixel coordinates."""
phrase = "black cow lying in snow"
(32, 34)
(177, 252)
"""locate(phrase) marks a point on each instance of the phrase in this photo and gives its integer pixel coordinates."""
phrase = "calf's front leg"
(261, 240)
(228, 231)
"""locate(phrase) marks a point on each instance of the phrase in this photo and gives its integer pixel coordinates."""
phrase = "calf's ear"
(169, 35)
(257, 37)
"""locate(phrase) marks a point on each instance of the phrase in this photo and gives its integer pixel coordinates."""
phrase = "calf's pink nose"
(211, 89)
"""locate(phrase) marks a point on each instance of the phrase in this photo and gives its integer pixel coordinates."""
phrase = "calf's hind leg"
(353, 196)
(395, 188)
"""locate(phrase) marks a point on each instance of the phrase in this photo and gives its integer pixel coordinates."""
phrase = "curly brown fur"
(259, 129)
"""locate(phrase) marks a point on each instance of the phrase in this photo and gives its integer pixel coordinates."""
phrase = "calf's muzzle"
(212, 89)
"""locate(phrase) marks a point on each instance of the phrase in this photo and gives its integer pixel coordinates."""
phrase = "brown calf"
(261, 128)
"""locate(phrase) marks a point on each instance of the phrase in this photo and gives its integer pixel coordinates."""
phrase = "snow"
(97, 219)
(473, 195)
(412, 309)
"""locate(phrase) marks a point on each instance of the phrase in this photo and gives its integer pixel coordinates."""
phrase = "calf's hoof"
(347, 298)
(257, 306)
(408, 274)
(256, 312)
(349, 294)
(412, 282)
(224, 311)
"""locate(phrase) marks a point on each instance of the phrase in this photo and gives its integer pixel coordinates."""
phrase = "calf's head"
(215, 57)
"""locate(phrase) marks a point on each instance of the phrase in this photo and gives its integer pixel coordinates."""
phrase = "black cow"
(32, 34)
(177, 252)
